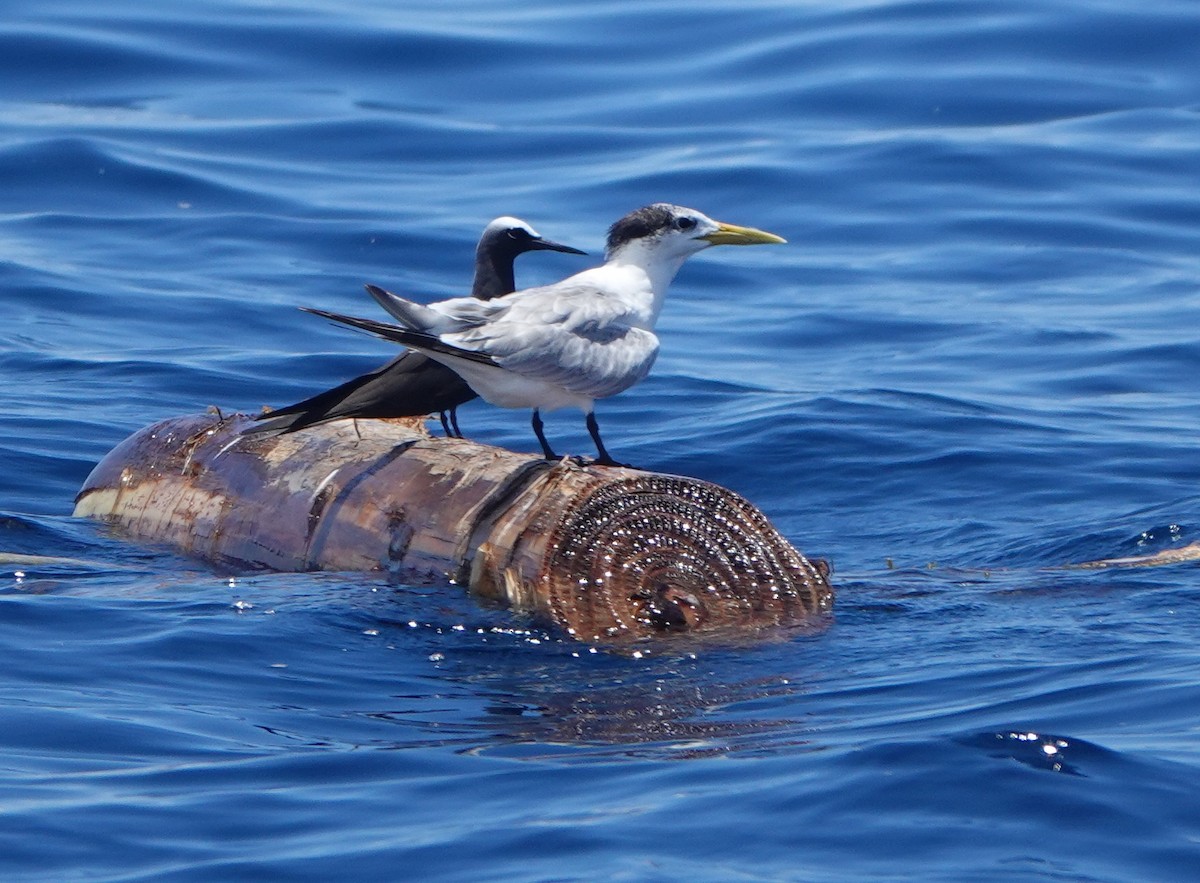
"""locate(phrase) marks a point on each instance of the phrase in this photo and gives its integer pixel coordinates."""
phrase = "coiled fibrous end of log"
(654, 553)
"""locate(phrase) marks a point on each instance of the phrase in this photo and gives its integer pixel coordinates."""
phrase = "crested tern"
(587, 337)
(412, 384)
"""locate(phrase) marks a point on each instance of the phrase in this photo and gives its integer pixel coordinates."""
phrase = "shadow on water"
(667, 718)
(508, 687)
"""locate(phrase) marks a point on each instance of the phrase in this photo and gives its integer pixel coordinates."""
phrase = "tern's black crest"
(639, 224)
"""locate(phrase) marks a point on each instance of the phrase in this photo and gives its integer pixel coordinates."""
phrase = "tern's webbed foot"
(609, 461)
(585, 462)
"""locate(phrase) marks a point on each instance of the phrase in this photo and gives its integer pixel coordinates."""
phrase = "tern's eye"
(685, 223)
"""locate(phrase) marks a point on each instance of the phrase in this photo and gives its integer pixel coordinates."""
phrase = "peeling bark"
(606, 553)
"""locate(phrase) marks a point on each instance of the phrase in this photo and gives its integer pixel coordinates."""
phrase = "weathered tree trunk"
(604, 552)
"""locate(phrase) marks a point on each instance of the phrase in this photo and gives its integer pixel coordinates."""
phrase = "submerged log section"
(603, 552)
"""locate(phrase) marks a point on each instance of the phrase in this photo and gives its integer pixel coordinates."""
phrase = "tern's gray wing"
(456, 314)
(572, 337)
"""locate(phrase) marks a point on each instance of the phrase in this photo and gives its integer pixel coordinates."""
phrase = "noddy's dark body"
(412, 384)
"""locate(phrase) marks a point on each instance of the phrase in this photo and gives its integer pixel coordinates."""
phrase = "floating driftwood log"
(603, 552)
(1178, 555)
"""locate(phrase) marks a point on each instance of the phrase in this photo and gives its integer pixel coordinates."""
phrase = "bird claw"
(608, 461)
(585, 462)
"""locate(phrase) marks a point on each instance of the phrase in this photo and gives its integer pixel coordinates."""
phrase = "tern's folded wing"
(445, 316)
(415, 339)
(590, 349)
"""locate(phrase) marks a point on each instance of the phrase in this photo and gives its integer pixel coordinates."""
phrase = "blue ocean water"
(976, 361)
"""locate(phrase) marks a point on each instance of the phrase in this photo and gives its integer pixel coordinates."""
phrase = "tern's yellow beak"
(730, 234)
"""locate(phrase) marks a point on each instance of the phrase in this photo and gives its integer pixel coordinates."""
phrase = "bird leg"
(547, 451)
(445, 424)
(605, 459)
(454, 423)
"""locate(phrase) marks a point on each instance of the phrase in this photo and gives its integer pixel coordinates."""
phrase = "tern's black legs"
(454, 423)
(605, 459)
(547, 451)
(594, 428)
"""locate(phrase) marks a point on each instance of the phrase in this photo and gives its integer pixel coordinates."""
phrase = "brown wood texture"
(605, 553)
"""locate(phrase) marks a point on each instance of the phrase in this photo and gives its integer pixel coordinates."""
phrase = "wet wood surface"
(605, 553)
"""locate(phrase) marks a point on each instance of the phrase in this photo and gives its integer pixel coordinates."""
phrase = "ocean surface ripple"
(975, 363)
